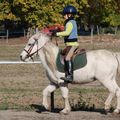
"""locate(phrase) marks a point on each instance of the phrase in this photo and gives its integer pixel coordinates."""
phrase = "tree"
(47, 12)
(5, 11)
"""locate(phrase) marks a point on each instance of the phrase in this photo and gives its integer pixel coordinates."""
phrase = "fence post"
(7, 34)
(52, 101)
(24, 32)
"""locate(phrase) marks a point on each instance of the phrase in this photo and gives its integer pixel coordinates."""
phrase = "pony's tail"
(117, 55)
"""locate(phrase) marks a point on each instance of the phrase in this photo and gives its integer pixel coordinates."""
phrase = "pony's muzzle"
(21, 58)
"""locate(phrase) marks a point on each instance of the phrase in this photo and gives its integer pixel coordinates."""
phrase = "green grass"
(21, 99)
(89, 90)
(18, 107)
(10, 52)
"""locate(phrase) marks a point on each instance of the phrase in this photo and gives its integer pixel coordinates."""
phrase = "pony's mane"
(41, 34)
(50, 50)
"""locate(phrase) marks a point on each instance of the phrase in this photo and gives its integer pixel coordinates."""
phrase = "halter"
(30, 49)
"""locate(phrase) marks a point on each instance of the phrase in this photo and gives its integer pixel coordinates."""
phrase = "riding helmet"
(69, 9)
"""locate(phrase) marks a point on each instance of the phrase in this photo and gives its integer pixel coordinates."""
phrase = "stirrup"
(68, 80)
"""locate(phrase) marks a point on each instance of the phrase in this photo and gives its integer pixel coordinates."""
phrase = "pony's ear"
(35, 38)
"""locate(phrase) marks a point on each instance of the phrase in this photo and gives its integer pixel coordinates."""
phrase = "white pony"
(101, 65)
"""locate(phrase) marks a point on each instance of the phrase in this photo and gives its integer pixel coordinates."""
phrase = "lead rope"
(56, 42)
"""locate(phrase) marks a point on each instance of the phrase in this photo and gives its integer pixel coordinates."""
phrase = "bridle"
(29, 54)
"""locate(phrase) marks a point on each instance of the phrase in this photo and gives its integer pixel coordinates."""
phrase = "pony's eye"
(29, 44)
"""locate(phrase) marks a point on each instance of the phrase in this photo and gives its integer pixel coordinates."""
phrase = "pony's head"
(34, 45)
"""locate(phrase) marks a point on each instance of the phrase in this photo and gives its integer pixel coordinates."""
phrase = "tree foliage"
(47, 12)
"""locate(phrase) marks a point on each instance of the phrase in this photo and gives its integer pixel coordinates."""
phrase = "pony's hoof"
(107, 111)
(65, 112)
(46, 107)
(116, 112)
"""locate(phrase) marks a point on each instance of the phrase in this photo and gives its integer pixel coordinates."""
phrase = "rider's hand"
(53, 32)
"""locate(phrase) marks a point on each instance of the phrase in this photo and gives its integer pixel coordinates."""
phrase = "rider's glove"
(54, 32)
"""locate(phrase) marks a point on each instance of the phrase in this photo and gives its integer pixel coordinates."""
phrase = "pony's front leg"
(49, 89)
(65, 92)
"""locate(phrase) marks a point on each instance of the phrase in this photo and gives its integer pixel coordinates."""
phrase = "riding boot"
(68, 72)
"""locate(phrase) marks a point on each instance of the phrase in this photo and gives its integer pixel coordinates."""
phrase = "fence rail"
(18, 62)
(7, 34)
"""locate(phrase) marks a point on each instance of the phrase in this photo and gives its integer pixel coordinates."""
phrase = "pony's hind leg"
(49, 89)
(108, 101)
(114, 90)
(117, 110)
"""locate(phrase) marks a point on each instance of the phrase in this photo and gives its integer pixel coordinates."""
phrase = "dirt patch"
(14, 41)
(81, 115)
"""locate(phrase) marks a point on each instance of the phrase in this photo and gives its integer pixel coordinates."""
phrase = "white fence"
(18, 62)
(5, 35)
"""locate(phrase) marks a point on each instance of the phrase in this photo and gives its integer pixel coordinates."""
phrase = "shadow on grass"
(41, 109)
(99, 110)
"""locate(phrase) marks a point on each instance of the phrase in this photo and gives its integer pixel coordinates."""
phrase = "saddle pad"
(78, 62)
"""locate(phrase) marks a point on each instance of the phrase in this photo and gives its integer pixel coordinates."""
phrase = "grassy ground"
(21, 85)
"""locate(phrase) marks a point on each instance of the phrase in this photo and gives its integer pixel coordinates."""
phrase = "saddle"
(79, 59)
(78, 51)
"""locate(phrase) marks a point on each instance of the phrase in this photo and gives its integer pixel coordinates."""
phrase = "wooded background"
(47, 12)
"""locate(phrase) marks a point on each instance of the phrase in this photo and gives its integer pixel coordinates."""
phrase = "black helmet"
(69, 9)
